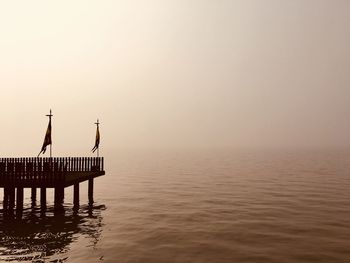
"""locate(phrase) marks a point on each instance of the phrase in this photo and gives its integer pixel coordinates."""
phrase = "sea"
(212, 205)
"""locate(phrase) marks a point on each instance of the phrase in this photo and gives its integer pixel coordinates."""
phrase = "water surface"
(196, 206)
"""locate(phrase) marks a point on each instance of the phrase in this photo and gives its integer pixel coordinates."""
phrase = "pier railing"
(45, 170)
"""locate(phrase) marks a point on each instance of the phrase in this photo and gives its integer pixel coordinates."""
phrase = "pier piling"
(33, 195)
(76, 195)
(6, 198)
(12, 193)
(91, 191)
(59, 196)
(19, 198)
(43, 197)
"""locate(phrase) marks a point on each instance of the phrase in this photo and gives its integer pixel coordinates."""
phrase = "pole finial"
(49, 115)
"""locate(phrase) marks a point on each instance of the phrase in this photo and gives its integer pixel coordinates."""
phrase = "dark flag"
(47, 140)
(97, 141)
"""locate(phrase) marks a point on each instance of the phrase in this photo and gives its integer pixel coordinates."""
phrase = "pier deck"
(57, 172)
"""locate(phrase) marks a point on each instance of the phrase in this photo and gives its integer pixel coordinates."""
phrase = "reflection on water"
(47, 235)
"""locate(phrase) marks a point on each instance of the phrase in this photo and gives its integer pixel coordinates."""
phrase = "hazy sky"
(184, 73)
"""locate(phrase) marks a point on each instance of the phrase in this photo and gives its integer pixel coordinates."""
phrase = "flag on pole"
(47, 140)
(97, 140)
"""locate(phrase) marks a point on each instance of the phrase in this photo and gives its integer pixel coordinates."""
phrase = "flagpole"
(98, 146)
(50, 115)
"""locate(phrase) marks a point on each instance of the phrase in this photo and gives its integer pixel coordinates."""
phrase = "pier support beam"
(6, 199)
(33, 195)
(19, 199)
(59, 196)
(12, 194)
(91, 191)
(76, 195)
(43, 197)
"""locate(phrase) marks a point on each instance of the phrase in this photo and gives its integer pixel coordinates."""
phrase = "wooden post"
(19, 198)
(12, 193)
(59, 196)
(33, 194)
(76, 195)
(6, 198)
(56, 196)
(85, 164)
(91, 191)
(43, 197)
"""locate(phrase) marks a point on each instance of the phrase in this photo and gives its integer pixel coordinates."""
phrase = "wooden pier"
(58, 173)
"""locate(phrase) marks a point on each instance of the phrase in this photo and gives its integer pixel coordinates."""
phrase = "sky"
(174, 74)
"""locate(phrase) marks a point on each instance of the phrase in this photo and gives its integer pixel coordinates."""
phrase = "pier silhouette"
(48, 172)
(58, 173)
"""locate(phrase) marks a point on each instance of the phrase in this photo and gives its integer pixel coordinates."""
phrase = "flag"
(47, 140)
(97, 141)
